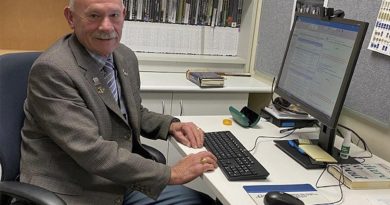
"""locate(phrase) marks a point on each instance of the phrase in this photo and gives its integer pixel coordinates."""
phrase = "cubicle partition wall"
(368, 93)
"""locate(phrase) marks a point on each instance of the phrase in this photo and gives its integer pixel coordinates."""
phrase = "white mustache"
(104, 35)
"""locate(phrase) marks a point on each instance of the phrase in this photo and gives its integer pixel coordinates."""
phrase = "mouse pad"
(305, 192)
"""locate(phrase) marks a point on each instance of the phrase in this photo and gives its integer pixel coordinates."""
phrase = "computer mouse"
(281, 198)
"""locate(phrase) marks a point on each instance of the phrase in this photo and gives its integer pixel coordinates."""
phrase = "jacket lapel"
(94, 76)
(127, 90)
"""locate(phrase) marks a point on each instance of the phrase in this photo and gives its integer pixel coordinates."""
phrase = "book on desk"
(363, 176)
(205, 79)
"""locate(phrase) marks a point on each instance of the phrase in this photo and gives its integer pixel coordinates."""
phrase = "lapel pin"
(96, 81)
(124, 72)
(100, 90)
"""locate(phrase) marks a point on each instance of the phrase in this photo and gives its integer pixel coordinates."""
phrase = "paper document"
(317, 153)
(305, 192)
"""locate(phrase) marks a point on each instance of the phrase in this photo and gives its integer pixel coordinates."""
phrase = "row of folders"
(224, 13)
(180, 39)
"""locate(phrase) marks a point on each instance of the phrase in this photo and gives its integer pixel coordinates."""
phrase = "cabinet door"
(160, 103)
(207, 103)
(157, 101)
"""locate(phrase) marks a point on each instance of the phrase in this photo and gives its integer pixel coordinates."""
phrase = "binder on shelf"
(205, 79)
(192, 12)
(183, 26)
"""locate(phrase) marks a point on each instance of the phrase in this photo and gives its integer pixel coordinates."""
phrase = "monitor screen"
(318, 66)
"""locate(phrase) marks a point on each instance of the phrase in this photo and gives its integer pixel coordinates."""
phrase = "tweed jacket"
(75, 140)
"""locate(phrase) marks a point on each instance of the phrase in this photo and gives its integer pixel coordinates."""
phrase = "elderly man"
(84, 118)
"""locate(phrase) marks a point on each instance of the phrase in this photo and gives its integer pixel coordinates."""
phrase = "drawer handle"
(181, 107)
(163, 107)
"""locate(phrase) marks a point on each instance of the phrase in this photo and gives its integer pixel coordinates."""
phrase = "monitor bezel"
(323, 118)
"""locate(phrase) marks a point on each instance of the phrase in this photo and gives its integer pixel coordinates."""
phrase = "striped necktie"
(110, 78)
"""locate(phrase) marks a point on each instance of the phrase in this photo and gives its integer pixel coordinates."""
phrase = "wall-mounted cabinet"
(181, 62)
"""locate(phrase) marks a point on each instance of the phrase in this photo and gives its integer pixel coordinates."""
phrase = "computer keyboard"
(234, 160)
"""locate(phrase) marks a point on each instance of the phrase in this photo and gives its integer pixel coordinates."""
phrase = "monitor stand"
(305, 160)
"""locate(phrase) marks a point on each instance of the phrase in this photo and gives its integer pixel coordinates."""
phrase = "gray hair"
(71, 4)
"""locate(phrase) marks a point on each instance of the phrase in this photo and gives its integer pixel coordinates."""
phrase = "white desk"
(282, 169)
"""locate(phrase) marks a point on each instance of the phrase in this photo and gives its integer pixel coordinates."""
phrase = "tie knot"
(109, 59)
(109, 66)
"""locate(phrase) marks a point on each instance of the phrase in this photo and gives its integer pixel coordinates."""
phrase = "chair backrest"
(14, 70)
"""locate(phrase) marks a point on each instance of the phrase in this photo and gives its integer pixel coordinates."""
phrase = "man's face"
(97, 24)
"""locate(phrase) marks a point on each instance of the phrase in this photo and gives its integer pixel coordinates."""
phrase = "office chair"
(14, 70)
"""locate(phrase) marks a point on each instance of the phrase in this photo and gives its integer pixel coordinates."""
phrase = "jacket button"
(118, 201)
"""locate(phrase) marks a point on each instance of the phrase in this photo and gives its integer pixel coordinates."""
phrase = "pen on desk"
(287, 129)
(290, 129)
(234, 74)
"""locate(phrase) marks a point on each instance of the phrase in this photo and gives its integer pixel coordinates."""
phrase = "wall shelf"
(161, 57)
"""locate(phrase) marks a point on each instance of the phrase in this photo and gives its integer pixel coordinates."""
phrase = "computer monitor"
(318, 66)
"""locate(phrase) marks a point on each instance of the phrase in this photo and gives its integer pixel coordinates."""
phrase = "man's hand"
(192, 166)
(187, 133)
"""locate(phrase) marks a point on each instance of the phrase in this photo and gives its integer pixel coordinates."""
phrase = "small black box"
(290, 120)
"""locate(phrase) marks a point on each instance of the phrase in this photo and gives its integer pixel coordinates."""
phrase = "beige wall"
(31, 24)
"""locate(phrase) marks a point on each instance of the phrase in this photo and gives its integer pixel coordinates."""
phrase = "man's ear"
(124, 12)
(69, 17)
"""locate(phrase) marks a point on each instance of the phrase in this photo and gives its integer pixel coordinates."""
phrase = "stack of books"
(363, 176)
(205, 79)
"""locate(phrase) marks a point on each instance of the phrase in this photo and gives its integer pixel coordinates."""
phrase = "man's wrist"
(171, 129)
(175, 120)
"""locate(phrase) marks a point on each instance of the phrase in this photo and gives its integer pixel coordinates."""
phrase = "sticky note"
(317, 153)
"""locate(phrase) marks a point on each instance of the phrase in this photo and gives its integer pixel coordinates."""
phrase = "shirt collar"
(101, 60)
